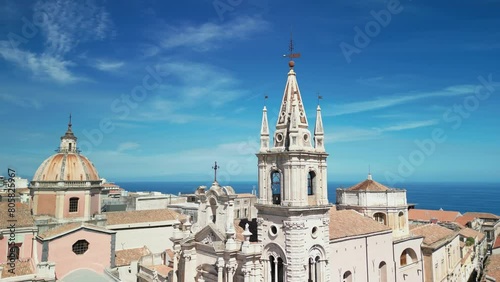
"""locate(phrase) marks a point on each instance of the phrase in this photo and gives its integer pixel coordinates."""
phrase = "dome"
(66, 166)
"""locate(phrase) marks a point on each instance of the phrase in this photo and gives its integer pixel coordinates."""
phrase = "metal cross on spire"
(69, 124)
(215, 168)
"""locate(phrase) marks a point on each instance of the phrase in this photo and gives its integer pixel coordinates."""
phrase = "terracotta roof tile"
(170, 253)
(468, 232)
(125, 257)
(427, 215)
(162, 269)
(493, 267)
(433, 234)
(24, 267)
(369, 185)
(239, 231)
(464, 219)
(482, 215)
(68, 227)
(346, 223)
(497, 242)
(22, 214)
(131, 217)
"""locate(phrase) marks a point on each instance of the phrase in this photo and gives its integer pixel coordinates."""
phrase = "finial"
(215, 168)
(319, 98)
(369, 173)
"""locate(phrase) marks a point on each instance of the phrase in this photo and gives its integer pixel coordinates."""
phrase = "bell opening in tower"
(276, 187)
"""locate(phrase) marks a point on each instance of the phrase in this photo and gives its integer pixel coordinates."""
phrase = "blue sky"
(159, 90)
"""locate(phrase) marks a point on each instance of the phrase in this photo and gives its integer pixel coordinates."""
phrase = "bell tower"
(293, 209)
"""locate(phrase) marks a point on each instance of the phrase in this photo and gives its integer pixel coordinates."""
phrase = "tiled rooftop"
(162, 269)
(464, 219)
(482, 215)
(131, 217)
(125, 257)
(497, 243)
(345, 223)
(433, 234)
(468, 232)
(68, 227)
(427, 215)
(369, 185)
(22, 214)
(22, 268)
(493, 267)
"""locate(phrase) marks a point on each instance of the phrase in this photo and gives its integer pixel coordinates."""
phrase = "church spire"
(292, 131)
(264, 131)
(318, 132)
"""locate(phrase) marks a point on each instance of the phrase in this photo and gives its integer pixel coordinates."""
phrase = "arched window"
(314, 269)
(276, 187)
(401, 220)
(276, 268)
(382, 272)
(408, 256)
(311, 181)
(347, 277)
(70, 146)
(213, 207)
(380, 217)
(73, 204)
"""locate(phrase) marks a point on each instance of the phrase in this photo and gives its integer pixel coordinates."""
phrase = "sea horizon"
(451, 196)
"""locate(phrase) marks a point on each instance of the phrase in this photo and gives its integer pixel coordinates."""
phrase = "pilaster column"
(294, 244)
(59, 212)
(86, 209)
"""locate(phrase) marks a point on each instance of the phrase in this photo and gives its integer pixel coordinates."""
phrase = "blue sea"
(462, 197)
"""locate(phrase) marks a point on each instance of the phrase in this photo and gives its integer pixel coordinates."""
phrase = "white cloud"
(236, 159)
(108, 65)
(357, 134)
(193, 90)
(127, 146)
(20, 101)
(43, 65)
(385, 102)
(69, 23)
(209, 36)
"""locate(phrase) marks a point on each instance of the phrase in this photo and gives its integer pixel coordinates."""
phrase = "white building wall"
(154, 238)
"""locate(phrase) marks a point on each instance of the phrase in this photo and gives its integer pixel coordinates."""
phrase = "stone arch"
(312, 182)
(347, 276)
(274, 260)
(382, 271)
(316, 261)
(401, 220)
(380, 217)
(408, 256)
(213, 206)
(276, 185)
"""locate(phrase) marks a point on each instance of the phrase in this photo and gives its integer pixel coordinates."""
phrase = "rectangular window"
(73, 204)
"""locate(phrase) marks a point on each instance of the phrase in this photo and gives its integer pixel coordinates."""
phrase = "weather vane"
(291, 55)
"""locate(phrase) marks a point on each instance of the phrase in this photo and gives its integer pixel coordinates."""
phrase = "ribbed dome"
(67, 166)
